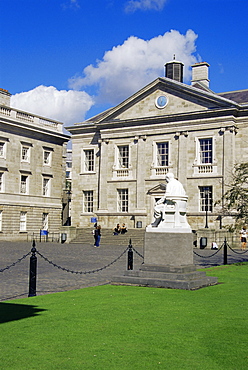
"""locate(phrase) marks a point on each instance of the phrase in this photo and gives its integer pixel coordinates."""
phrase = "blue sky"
(71, 59)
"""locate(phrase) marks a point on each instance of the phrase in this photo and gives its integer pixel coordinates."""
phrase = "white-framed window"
(206, 150)
(47, 157)
(25, 153)
(123, 156)
(205, 162)
(1, 181)
(206, 198)
(88, 201)
(1, 221)
(24, 184)
(122, 200)
(46, 186)
(23, 221)
(161, 158)
(89, 160)
(122, 164)
(162, 154)
(2, 149)
(44, 221)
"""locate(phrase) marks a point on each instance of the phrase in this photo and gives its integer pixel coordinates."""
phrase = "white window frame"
(206, 198)
(25, 153)
(23, 221)
(85, 160)
(2, 149)
(122, 200)
(167, 154)
(45, 221)
(1, 181)
(88, 201)
(24, 185)
(47, 157)
(199, 166)
(120, 158)
(156, 169)
(122, 171)
(46, 186)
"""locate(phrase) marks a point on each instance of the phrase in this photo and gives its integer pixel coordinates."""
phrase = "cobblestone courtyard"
(14, 282)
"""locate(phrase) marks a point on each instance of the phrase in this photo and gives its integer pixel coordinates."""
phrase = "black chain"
(81, 272)
(236, 251)
(140, 255)
(14, 263)
(211, 254)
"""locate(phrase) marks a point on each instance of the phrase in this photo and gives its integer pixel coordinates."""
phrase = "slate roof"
(240, 96)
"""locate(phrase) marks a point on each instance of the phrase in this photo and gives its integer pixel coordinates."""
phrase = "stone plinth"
(170, 248)
(168, 263)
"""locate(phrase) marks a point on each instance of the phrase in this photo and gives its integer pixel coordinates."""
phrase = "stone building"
(121, 156)
(32, 172)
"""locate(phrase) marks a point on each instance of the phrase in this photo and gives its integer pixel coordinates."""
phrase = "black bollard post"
(225, 253)
(130, 256)
(32, 272)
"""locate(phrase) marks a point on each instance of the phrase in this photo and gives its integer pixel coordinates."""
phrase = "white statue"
(170, 210)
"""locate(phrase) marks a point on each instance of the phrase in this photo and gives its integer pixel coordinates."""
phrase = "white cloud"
(133, 5)
(130, 66)
(72, 4)
(61, 105)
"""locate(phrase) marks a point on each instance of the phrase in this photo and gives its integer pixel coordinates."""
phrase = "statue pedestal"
(168, 248)
(168, 263)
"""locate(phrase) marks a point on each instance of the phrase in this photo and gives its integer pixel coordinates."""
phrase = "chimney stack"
(174, 70)
(5, 97)
(200, 73)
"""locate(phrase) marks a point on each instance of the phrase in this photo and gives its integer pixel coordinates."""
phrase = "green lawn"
(125, 327)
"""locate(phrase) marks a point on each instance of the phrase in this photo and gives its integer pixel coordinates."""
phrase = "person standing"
(97, 236)
(243, 237)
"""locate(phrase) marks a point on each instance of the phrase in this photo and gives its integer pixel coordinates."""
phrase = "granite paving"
(86, 265)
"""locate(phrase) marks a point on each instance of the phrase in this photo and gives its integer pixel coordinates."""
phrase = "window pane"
(47, 157)
(25, 153)
(46, 187)
(89, 160)
(122, 200)
(206, 198)
(45, 221)
(88, 201)
(206, 150)
(23, 220)
(163, 154)
(1, 181)
(24, 180)
(1, 149)
(123, 156)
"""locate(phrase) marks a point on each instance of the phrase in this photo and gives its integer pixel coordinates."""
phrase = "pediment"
(157, 190)
(180, 99)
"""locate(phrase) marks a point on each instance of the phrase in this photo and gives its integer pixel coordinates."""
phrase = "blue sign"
(43, 232)
(93, 219)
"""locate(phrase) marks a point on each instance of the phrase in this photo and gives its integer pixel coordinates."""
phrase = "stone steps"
(85, 236)
(186, 278)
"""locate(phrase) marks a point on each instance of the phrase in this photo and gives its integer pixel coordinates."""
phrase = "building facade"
(32, 172)
(120, 157)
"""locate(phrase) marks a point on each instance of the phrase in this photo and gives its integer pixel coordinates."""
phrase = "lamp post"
(206, 193)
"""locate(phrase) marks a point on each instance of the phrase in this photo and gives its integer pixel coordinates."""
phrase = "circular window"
(161, 101)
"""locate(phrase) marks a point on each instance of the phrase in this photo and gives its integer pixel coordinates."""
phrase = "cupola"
(174, 70)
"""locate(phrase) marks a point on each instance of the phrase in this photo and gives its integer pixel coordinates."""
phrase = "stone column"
(182, 158)
(102, 177)
(140, 174)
